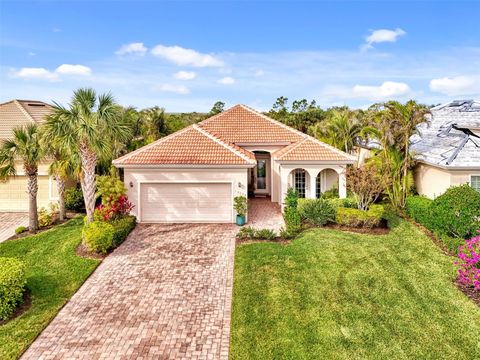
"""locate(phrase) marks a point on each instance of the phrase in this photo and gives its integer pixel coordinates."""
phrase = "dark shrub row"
(12, 285)
(100, 236)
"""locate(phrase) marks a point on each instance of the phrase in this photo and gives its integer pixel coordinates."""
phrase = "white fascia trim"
(226, 146)
(445, 167)
(184, 166)
(256, 143)
(315, 162)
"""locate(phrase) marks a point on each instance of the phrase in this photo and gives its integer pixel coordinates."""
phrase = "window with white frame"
(475, 182)
(318, 186)
(299, 182)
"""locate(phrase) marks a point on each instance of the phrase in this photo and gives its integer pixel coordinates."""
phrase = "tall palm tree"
(24, 146)
(341, 129)
(89, 127)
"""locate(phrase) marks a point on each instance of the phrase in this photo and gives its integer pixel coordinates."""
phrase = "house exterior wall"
(460, 177)
(134, 177)
(431, 181)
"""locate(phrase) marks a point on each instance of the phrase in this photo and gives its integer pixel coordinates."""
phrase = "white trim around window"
(476, 186)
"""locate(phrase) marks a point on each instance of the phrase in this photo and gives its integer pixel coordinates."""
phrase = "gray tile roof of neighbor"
(451, 137)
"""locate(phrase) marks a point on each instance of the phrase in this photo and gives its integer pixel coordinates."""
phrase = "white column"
(284, 174)
(342, 184)
(313, 186)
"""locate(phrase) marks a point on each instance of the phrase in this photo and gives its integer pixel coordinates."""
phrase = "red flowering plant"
(112, 209)
(469, 263)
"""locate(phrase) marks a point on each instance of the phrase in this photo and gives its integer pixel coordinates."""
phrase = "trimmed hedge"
(98, 236)
(348, 202)
(419, 208)
(12, 285)
(122, 227)
(74, 199)
(360, 218)
(247, 233)
(317, 212)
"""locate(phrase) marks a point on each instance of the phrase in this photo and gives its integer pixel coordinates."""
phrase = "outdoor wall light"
(131, 184)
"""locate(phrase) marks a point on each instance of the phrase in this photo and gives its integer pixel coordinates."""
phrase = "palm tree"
(341, 129)
(89, 127)
(24, 146)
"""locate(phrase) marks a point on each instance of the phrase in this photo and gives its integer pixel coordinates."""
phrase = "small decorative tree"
(365, 184)
(241, 207)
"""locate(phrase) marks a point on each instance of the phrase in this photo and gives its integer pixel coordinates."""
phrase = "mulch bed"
(470, 292)
(82, 251)
(360, 230)
(23, 307)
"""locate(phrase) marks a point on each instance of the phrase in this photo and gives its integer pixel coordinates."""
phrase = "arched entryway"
(299, 178)
(326, 179)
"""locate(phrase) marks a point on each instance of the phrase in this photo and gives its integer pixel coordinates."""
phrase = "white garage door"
(186, 202)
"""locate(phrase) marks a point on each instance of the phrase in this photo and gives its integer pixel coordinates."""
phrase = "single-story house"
(194, 174)
(13, 191)
(447, 148)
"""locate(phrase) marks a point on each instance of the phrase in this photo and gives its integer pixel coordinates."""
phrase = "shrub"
(120, 207)
(246, 232)
(240, 205)
(266, 234)
(317, 212)
(331, 193)
(284, 234)
(74, 199)
(110, 188)
(457, 212)
(20, 230)
(12, 285)
(469, 263)
(46, 216)
(291, 199)
(293, 221)
(348, 202)
(365, 183)
(98, 236)
(122, 227)
(419, 208)
(360, 218)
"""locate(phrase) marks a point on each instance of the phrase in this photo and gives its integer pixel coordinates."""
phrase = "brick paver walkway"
(164, 294)
(9, 222)
(262, 213)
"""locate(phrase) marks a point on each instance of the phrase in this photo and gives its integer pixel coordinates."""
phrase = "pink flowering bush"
(113, 209)
(469, 263)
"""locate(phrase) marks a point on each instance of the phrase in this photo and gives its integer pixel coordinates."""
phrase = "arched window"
(299, 181)
(318, 185)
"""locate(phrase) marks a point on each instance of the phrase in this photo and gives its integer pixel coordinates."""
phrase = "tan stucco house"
(13, 191)
(447, 148)
(194, 174)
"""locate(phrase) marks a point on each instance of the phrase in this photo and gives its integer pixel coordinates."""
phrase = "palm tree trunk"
(32, 189)
(87, 181)
(61, 197)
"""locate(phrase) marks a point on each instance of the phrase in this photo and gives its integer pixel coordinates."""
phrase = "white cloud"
(31, 53)
(387, 90)
(227, 80)
(34, 73)
(185, 75)
(184, 57)
(69, 69)
(382, 35)
(177, 89)
(133, 48)
(459, 85)
(259, 73)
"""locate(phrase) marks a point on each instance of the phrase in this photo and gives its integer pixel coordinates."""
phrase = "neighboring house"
(13, 191)
(194, 174)
(447, 148)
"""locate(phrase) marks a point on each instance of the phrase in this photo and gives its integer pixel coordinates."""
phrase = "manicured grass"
(339, 295)
(54, 273)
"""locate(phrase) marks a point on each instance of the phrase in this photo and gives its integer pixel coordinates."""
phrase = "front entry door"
(262, 175)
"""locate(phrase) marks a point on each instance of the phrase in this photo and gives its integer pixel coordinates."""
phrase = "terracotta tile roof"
(241, 124)
(310, 149)
(214, 142)
(193, 146)
(21, 112)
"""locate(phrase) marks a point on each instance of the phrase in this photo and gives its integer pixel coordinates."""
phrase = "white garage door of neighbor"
(186, 202)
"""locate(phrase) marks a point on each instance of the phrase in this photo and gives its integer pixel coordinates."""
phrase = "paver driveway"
(9, 222)
(164, 294)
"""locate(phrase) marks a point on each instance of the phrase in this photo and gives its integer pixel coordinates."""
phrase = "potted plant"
(241, 207)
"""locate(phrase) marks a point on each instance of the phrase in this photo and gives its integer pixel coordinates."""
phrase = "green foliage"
(360, 218)
(457, 212)
(316, 212)
(98, 236)
(293, 221)
(110, 188)
(419, 208)
(12, 285)
(250, 233)
(20, 230)
(291, 199)
(348, 202)
(240, 205)
(122, 227)
(217, 108)
(46, 217)
(330, 193)
(74, 199)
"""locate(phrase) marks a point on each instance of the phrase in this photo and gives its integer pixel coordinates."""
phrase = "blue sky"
(184, 56)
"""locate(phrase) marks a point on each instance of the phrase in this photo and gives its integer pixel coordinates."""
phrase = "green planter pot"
(240, 220)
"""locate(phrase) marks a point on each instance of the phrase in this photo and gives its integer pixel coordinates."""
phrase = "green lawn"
(54, 273)
(338, 295)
